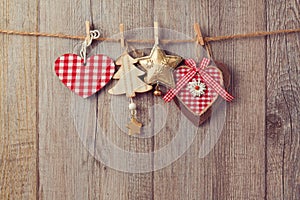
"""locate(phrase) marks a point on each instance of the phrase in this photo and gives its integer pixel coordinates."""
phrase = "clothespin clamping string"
(201, 41)
(90, 36)
(121, 27)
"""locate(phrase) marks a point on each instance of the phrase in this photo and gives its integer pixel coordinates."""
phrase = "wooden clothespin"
(156, 40)
(122, 35)
(200, 39)
(87, 31)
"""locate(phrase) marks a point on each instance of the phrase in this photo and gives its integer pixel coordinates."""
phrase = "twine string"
(87, 42)
(164, 41)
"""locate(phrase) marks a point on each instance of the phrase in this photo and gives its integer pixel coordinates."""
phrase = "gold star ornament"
(159, 67)
(134, 127)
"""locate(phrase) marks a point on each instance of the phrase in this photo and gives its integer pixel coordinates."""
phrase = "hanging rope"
(206, 39)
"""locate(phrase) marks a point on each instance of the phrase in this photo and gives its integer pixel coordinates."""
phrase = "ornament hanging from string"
(129, 83)
(85, 75)
(199, 86)
(159, 66)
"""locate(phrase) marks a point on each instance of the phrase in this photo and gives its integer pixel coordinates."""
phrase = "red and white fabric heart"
(198, 102)
(82, 75)
(84, 79)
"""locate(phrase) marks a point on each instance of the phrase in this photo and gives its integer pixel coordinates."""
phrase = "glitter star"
(159, 67)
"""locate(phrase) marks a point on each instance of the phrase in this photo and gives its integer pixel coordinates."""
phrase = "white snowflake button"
(196, 87)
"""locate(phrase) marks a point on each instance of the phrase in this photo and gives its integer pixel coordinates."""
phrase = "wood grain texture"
(124, 185)
(67, 170)
(283, 94)
(181, 179)
(18, 100)
(44, 157)
(65, 165)
(240, 153)
(235, 169)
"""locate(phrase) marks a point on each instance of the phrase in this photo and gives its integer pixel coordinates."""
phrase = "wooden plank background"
(256, 157)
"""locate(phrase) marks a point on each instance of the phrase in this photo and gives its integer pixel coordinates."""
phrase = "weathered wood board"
(256, 156)
(18, 102)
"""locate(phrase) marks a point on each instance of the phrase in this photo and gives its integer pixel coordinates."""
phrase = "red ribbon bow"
(206, 77)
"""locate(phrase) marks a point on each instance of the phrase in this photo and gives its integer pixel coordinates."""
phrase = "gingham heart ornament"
(197, 108)
(85, 79)
(198, 104)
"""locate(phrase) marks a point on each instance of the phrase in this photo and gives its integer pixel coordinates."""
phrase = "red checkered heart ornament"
(84, 79)
(198, 88)
(197, 96)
